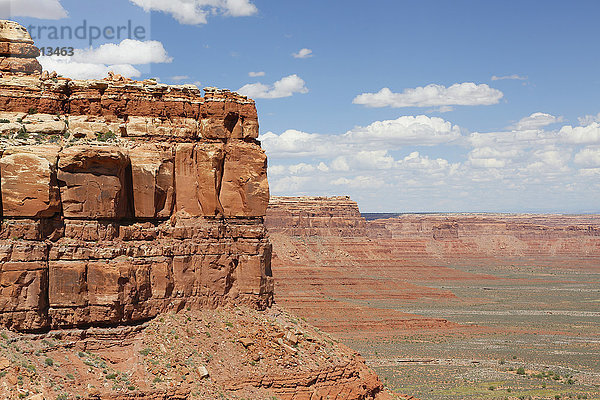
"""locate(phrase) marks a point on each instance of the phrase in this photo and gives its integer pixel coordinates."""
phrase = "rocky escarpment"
(550, 239)
(326, 253)
(328, 269)
(123, 199)
(315, 216)
(134, 261)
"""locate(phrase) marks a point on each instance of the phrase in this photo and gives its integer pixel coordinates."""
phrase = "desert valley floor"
(457, 306)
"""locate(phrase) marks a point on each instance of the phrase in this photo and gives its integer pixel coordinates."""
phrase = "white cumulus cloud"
(406, 130)
(95, 63)
(589, 134)
(129, 51)
(303, 53)
(256, 74)
(589, 157)
(537, 120)
(588, 119)
(194, 12)
(285, 87)
(42, 9)
(468, 93)
(364, 142)
(66, 67)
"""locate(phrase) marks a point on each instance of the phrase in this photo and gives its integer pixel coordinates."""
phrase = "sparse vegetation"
(105, 136)
(146, 351)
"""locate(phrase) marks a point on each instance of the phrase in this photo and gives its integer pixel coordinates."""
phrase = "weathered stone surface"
(198, 174)
(22, 50)
(130, 212)
(28, 181)
(244, 187)
(185, 128)
(11, 31)
(152, 167)
(90, 126)
(24, 65)
(92, 180)
(44, 124)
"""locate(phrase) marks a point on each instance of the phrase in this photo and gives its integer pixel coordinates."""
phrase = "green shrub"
(22, 134)
(49, 362)
(521, 371)
(106, 136)
(146, 351)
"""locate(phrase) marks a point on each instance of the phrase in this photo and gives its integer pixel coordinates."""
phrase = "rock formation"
(123, 199)
(315, 216)
(549, 239)
(326, 253)
(131, 230)
(17, 52)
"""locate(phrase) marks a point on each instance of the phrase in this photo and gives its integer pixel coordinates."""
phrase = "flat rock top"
(11, 31)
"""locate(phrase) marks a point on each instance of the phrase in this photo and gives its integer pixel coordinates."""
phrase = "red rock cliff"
(315, 216)
(122, 199)
(331, 263)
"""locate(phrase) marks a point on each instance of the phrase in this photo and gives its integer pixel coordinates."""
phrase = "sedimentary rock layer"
(315, 216)
(121, 199)
(342, 271)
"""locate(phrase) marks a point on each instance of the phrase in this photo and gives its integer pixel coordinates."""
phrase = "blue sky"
(403, 105)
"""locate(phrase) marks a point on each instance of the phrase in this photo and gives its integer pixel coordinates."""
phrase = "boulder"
(11, 31)
(24, 65)
(28, 181)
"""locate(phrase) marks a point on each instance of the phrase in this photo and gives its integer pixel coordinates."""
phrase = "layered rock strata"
(315, 216)
(123, 199)
(342, 271)
(17, 52)
(547, 239)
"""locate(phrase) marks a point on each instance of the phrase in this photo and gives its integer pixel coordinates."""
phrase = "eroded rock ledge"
(123, 199)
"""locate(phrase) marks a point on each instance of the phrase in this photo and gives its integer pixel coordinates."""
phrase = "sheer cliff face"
(315, 216)
(123, 199)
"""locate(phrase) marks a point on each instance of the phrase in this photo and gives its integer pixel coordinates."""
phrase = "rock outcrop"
(131, 229)
(315, 216)
(17, 52)
(122, 199)
(549, 239)
(334, 267)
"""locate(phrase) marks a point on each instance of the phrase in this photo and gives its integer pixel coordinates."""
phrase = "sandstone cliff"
(131, 231)
(315, 216)
(516, 238)
(123, 199)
